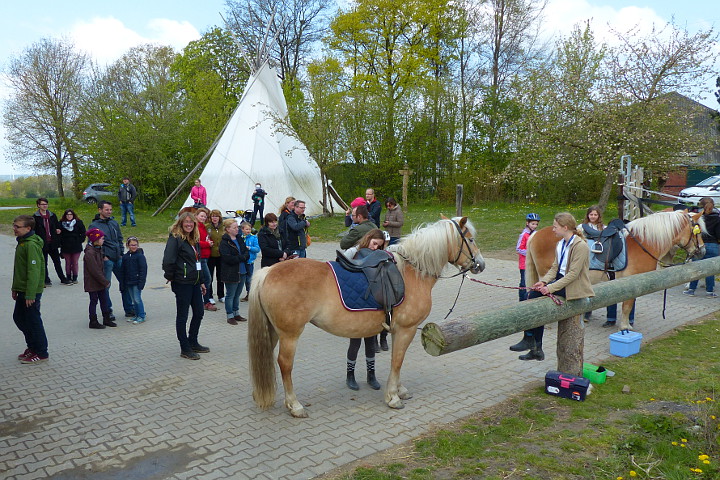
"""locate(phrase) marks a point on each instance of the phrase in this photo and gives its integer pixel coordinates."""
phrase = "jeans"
(187, 296)
(711, 251)
(301, 253)
(522, 293)
(206, 279)
(113, 266)
(232, 296)
(125, 208)
(55, 256)
(250, 268)
(71, 264)
(135, 295)
(30, 324)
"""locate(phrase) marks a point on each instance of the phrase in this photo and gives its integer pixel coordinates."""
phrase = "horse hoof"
(396, 403)
(299, 413)
(404, 394)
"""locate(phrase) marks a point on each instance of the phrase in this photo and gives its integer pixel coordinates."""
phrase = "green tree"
(42, 117)
(593, 104)
(135, 123)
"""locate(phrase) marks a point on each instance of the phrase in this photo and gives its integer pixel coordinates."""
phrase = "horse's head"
(464, 253)
(690, 237)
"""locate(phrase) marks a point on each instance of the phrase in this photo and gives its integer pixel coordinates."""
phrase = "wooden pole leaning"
(469, 330)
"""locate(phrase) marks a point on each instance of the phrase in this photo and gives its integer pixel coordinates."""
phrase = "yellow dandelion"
(712, 416)
(633, 473)
(706, 462)
(703, 457)
(682, 445)
(652, 399)
(708, 399)
(684, 440)
(619, 478)
(675, 444)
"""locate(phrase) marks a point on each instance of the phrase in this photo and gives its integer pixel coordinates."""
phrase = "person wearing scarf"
(72, 234)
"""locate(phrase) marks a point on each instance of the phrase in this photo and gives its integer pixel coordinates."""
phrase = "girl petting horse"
(309, 286)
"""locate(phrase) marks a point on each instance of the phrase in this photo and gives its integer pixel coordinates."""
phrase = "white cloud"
(107, 39)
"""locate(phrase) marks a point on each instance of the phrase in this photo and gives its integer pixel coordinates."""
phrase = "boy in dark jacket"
(95, 282)
(133, 275)
(27, 287)
(258, 198)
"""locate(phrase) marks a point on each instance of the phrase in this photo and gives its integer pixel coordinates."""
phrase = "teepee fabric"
(251, 151)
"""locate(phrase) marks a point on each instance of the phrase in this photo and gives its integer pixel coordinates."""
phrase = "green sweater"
(29, 269)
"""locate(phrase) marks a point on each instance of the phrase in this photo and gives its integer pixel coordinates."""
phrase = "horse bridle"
(463, 243)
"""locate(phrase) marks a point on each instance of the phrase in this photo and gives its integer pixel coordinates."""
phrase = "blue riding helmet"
(532, 217)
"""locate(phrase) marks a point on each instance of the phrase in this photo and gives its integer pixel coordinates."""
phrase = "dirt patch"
(508, 254)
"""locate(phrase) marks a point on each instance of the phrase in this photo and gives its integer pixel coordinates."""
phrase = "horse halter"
(695, 236)
(464, 243)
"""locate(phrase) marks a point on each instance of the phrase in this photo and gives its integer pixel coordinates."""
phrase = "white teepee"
(251, 151)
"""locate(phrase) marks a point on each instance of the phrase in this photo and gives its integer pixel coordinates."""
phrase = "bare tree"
(42, 115)
(296, 24)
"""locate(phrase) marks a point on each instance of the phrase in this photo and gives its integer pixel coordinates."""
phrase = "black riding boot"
(535, 353)
(350, 381)
(371, 380)
(525, 344)
(94, 323)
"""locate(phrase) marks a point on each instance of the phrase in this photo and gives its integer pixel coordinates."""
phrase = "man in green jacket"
(27, 287)
(362, 225)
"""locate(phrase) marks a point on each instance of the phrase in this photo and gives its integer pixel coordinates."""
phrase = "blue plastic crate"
(624, 344)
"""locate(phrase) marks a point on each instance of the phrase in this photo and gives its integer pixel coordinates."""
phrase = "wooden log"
(458, 333)
(571, 345)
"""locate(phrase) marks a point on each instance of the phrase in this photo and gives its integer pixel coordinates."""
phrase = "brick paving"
(121, 403)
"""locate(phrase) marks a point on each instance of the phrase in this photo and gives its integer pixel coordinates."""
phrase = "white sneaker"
(221, 300)
(212, 301)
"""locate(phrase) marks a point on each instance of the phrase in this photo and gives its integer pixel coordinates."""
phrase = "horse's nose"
(700, 253)
(479, 265)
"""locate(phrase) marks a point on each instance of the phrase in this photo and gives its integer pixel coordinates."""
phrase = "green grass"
(660, 430)
(498, 223)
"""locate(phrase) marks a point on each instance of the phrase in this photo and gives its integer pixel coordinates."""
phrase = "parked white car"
(710, 187)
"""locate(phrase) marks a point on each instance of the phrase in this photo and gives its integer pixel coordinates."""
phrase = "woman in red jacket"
(205, 250)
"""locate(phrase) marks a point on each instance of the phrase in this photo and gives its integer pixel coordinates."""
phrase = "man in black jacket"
(127, 195)
(113, 249)
(296, 226)
(373, 205)
(47, 227)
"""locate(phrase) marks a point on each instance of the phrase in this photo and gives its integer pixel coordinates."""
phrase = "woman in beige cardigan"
(568, 277)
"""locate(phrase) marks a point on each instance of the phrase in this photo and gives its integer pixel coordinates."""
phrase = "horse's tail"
(260, 346)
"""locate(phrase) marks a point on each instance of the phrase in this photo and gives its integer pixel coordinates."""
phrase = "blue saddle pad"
(354, 289)
(618, 264)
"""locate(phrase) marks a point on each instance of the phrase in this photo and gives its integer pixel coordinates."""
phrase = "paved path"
(121, 403)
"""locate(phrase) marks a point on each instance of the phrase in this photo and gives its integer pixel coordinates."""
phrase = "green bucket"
(594, 373)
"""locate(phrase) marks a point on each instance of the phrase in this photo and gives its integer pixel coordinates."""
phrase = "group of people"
(42, 235)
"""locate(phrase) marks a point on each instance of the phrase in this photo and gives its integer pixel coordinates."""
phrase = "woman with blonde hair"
(182, 268)
(285, 211)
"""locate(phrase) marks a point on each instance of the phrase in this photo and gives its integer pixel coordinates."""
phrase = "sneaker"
(689, 292)
(212, 301)
(211, 307)
(608, 324)
(245, 298)
(221, 299)
(67, 281)
(130, 315)
(711, 295)
(190, 355)
(33, 359)
(129, 319)
(138, 320)
(24, 354)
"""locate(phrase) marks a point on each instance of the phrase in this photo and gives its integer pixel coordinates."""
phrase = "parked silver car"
(99, 191)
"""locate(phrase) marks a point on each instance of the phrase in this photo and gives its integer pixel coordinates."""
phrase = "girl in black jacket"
(233, 257)
(72, 235)
(181, 267)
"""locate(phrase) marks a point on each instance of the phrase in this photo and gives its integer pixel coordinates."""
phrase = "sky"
(107, 29)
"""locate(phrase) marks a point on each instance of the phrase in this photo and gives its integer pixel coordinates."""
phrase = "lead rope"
(456, 297)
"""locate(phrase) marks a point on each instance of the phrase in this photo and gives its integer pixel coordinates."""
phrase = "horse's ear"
(443, 217)
(696, 216)
(462, 222)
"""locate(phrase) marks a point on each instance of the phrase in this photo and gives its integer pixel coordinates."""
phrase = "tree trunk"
(59, 178)
(571, 345)
(607, 188)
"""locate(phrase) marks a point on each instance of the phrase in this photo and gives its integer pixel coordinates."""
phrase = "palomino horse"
(289, 295)
(648, 241)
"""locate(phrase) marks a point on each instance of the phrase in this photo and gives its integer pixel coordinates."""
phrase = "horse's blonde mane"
(426, 247)
(659, 229)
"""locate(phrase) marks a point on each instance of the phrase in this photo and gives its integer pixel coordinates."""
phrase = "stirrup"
(597, 248)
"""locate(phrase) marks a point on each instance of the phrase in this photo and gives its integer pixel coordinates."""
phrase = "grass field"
(667, 426)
